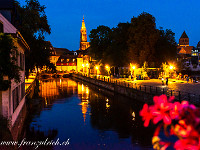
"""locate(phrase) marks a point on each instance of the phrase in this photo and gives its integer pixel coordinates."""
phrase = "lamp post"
(132, 70)
(108, 69)
(97, 68)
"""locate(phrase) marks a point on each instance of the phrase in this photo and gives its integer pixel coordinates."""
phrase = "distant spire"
(184, 35)
(83, 23)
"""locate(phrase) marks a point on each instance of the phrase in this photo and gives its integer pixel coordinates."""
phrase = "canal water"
(78, 115)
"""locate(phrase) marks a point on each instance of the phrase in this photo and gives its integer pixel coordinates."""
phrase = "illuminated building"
(187, 54)
(73, 61)
(83, 37)
(183, 46)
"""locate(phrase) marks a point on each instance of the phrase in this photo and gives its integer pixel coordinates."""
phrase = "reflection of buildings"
(72, 61)
(83, 93)
(55, 89)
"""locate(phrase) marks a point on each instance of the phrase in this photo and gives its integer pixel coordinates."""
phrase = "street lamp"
(108, 69)
(171, 67)
(97, 68)
(133, 67)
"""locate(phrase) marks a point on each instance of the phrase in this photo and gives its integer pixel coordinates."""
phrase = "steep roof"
(184, 35)
(61, 51)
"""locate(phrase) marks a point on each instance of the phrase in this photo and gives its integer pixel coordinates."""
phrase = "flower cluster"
(178, 119)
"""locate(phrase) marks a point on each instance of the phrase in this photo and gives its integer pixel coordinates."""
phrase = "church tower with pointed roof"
(183, 46)
(83, 37)
(184, 40)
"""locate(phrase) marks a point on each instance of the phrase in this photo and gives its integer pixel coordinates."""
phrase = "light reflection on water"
(75, 110)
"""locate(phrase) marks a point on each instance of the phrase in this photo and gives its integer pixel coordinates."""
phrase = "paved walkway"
(177, 85)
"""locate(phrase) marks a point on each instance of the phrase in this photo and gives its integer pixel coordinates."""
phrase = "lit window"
(67, 60)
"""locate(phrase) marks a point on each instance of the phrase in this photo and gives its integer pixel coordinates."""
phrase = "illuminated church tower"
(83, 38)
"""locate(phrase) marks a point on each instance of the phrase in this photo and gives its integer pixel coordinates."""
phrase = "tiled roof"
(185, 50)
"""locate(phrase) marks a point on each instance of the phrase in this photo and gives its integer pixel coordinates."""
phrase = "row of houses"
(188, 55)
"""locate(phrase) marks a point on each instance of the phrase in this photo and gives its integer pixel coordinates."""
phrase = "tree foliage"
(117, 52)
(165, 47)
(34, 25)
(8, 58)
(100, 41)
(136, 42)
(142, 39)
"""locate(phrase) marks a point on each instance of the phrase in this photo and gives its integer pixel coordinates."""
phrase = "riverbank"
(142, 92)
(123, 89)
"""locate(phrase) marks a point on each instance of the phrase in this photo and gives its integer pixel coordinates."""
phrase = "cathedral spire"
(83, 37)
(83, 23)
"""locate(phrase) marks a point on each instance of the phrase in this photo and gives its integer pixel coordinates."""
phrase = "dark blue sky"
(65, 17)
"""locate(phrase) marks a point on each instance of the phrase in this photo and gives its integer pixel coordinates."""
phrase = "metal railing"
(179, 95)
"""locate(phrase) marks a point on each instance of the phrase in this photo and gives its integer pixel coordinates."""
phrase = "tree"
(117, 51)
(34, 25)
(166, 47)
(142, 39)
(100, 41)
(8, 57)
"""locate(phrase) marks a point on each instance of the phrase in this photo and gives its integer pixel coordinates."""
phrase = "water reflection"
(92, 120)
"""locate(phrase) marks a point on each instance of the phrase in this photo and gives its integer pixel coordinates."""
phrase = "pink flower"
(182, 129)
(161, 109)
(146, 115)
(187, 144)
(185, 104)
(176, 107)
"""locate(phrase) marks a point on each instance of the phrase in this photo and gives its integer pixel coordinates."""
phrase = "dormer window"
(1, 27)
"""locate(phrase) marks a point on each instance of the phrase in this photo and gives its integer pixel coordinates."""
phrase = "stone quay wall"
(123, 90)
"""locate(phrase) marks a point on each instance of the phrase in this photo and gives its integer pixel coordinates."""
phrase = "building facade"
(73, 61)
(13, 99)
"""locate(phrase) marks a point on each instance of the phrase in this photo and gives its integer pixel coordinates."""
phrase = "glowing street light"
(133, 67)
(171, 67)
(108, 69)
(97, 68)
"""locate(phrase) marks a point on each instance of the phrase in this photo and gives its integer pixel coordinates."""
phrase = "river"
(78, 115)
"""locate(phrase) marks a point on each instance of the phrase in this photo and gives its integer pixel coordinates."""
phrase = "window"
(1, 27)
(22, 61)
(15, 98)
(67, 60)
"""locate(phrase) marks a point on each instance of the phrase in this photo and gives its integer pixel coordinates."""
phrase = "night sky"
(65, 17)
